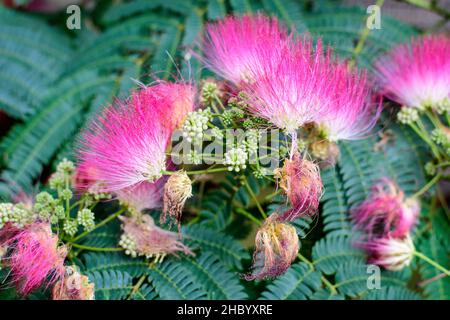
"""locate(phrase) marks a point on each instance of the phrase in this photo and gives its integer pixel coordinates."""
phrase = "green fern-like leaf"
(298, 283)
(111, 285)
(437, 251)
(215, 277)
(172, 280)
(331, 252)
(226, 247)
(113, 261)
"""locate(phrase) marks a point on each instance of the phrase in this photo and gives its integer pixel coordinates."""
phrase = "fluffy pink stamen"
(386, 212)
(126, 145)
(417, 74)
(233, 44)
(352, 111)
(143, 196)
(36, 257)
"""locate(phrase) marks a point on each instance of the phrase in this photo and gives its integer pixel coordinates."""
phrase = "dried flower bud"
(390, 253)
(300, 179)
(74, 286)
(144, 238)
(177, 190)
(325, 151)
(277, 246)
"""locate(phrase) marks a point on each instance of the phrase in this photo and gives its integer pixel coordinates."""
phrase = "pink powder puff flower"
(277, 246)
(300, 180)
(124, 147)
(233, 44)
(294, 88)
(391, 253)
(127, 144)
(179, 96)
(142, 196)
(352, 112)
(417, 74)
(36, 257)
(386, 212)
(142, 237)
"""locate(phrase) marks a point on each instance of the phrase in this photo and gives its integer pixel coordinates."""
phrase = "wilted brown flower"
(277, 246)
(176, 191)
(74, 286)
(300, 179)
(141, 237)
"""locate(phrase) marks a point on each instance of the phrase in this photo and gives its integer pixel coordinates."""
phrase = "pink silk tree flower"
(391, 253)
(301, 181)
(386, 212)
(277, 246)
(124, 147)
(179, 96)
(142, 196)
(36, 257)
(142, 237)
(293, 89)
(417, 74)
(352, 112)
(233, 44)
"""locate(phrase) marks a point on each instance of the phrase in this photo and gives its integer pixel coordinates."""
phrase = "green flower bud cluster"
(443, 107)
(48, 208)
(251, 141)
(62, 178)
(236, 159)
(195, 124)
(70, 227)
(217, 133)
(17, 215)
(86, 219)
(260, 173)
(430, 168)
(210, 91)
(91, 197)
(441, 138)
(129, 244)
(194, 157)
(407, 115)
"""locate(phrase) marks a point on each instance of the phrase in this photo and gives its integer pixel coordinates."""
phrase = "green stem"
(100, 224)
(137, 286)
(223, 169)
(427, 186)
(422, 133)
(252, 194)
(248, 215)
(324, 280)
(98, 249)
(432, 262)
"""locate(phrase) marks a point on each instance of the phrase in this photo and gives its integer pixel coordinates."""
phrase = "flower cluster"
(236, 158)
(294, 85)
(386, 218)
(195, 124)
